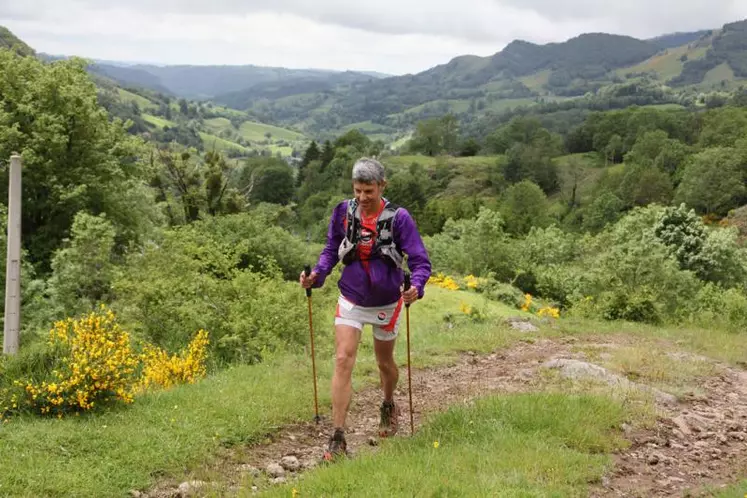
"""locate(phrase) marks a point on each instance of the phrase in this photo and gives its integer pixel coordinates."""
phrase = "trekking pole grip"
(407, 284)
(307, 272)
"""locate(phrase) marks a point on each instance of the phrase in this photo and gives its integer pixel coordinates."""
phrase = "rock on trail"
(576, 369)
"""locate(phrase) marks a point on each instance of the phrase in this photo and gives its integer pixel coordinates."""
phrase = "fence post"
(13, 262)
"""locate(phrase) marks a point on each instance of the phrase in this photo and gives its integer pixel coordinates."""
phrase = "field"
(221, 145)
(142, 102)
(537, 81)
(158, 121)
(669, 63)
(722, 72)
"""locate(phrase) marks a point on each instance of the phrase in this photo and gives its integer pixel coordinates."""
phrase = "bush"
(476, 246)
(504, 293)
(90, 362)
(173, 289)
(634, 306)
(717, 306)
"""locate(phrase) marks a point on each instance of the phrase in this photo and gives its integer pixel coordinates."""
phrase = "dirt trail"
(698, 441)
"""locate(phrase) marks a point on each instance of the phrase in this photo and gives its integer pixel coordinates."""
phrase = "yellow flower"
(466, 309)
(435, 444)
(549, 312)
(527, 302)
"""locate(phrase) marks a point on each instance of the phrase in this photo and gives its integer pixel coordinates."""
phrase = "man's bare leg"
(346, 350)
(388, 371)
(389, 375)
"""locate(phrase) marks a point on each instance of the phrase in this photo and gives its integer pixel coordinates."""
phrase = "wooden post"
(13, 262)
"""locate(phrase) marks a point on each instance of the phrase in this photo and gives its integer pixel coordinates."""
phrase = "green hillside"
(142, 102)
(10, 41)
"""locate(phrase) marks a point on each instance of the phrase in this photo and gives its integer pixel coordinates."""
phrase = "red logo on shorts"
(382, 316)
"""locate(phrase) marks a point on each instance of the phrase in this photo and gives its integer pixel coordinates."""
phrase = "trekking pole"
(409, 372)
(317, 419)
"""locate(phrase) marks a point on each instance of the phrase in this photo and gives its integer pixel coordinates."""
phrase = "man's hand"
(409, 296)
(307, 282)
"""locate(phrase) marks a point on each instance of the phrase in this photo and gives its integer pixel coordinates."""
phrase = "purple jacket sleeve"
(335, 233)
(409, 241)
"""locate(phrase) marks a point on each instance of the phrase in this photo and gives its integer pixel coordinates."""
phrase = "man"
(370, 236)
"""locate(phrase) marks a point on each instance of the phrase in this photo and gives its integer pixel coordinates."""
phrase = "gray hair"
(367, 170)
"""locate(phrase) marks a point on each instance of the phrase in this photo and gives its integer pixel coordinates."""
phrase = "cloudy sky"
(391, 36)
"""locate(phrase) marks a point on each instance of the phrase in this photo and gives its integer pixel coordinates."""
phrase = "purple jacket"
(382, 287)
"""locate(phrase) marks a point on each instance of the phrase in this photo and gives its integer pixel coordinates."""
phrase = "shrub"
(476, 246)
(715, 305)
(624, 304)
(90, 362)
(161, 370)
(504, 293)
(94, 363)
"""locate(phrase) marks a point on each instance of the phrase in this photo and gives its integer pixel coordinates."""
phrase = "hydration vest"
(384, 246)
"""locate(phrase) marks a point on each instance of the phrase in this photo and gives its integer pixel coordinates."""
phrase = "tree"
(178, 180)
(435, 136)
(470, 147)
(75, 157)
(713, 181)
(312, 154)
(328, 153)
(220, 199)
(647, 148)
(604, 210)
(644, 185)
(524, 206)
(449, 133)
(84, 268)
(427, 138)
(528, 162)
(267, 180)
(183, 107)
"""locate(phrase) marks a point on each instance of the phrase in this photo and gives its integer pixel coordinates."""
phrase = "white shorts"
(383, 319)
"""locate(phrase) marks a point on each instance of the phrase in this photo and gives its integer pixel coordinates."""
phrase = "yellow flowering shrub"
(471, 282)
(95, 363)
(443, 281)
(162, 370)
(527, 302)
(549, 312)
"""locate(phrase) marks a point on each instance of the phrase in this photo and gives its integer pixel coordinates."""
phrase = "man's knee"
(345, 359)
(387, 363)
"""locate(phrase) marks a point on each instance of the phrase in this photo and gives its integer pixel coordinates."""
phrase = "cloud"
(393, 36)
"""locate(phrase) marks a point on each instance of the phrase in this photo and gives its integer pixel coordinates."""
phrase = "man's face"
(368, 195)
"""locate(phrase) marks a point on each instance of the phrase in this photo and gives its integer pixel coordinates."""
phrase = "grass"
(722, 72)
(159, 122)
(220, 144)
(255, 132)
(366, 127)
(217, 125)
(537, 81)
(711, 342)
(506, 104)
(142, 102)
(668, 64)
(736, 491)
(647, 362)
(162, 433)
(521, 445)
